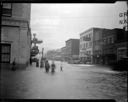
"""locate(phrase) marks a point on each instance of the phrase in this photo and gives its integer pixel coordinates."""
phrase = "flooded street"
(36, 34)
(75, 82)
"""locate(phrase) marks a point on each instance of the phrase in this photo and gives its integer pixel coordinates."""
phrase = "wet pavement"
(77, 81)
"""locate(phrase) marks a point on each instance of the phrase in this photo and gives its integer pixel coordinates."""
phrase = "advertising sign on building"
(123, 19)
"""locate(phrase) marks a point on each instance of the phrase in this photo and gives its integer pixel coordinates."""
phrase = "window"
(5, 52)
(89, 35)
(108, 40)
(97, 42)
(90, 52)
(112, 40)
(7, 9)
(81, 39)
(87, 52)
(104, 41)
(90, 44)
(86, 45)
(84, 38)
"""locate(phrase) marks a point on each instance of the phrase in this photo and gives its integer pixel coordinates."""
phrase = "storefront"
(121, 53)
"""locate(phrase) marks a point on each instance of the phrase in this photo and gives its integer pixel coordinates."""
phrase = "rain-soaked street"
(75, 82)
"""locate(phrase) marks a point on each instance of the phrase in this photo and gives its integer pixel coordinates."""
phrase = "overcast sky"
(56, 23)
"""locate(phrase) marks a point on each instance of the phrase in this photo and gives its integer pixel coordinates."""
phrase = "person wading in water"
(53, 66)
(47, 66)
(61, 66)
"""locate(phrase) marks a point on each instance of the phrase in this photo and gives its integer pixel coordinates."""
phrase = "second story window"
(105, 41)
(112, 40)
(7, 9)
(90, 44)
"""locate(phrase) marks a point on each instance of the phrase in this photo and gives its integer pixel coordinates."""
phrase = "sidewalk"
(98, 65)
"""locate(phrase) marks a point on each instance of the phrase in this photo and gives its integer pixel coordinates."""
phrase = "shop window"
(5, 53)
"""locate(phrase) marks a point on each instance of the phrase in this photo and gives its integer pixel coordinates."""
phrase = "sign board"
(124, 19)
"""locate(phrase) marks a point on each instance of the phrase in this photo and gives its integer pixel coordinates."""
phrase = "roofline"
(92, 29)
(71, 39)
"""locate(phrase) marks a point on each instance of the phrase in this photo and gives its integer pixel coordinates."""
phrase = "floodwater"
(76, 81)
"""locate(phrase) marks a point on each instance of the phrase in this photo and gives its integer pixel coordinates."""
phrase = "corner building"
(15, 33)
(91, 46)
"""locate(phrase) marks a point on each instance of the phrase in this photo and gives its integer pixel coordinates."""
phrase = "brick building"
(72, 49)
(114, 46)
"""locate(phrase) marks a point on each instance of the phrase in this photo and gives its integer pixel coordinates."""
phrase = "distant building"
(50, 54)
(15, 33)
(54, 54)
(72, 49)
(63, 53)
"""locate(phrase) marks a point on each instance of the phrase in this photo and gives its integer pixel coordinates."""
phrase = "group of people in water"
(44, 63)
(47, 66)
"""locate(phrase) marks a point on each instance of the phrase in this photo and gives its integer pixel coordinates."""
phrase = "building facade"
(103, 46)
(109, 49)
(91, 42)
(86, 47)
(15, 33)
(114, 46)
(63, 53)
(72, 49)
(98, 44)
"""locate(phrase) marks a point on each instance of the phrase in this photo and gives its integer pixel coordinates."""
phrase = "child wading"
(61, 66)
(47, 66)
(53, 67)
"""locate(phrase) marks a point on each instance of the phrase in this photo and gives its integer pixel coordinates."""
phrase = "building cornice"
(9, 21)
(7, 42)
(93, 28)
